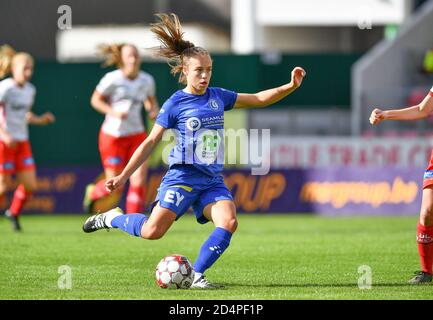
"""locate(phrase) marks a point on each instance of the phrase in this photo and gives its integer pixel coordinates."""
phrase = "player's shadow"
(313, 285)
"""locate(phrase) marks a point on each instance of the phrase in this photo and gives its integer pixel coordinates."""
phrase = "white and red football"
(175, 272)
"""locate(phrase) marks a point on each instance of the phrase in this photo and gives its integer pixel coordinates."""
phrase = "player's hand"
(377, 116)
(8, 140)
(298, 75)
(114, 183)
(48, 118)
(152, 114)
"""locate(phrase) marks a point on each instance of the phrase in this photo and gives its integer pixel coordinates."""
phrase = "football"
(174, 272)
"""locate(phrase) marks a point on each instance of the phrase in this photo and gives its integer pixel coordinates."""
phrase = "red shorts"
(16, 158)
(116, 151)
(428, 174)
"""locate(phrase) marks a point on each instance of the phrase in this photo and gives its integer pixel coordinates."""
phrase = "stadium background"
(330, 168)
(325, 158)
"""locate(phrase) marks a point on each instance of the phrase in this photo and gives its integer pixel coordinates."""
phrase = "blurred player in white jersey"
(121, 96)
(16, 99)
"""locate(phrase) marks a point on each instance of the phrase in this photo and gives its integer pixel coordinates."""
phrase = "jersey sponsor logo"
(174, 197)
(193, 124)
(18, 106)
(213, 104)
(216, 121)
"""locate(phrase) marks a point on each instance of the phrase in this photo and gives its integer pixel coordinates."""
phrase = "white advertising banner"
(310, 152)
(331, 12)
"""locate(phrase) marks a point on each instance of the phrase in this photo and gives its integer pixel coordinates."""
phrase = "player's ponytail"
(7, 54)
(174, 47)
(111, 54)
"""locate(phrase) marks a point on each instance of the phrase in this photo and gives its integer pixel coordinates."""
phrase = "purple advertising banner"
(328, 191)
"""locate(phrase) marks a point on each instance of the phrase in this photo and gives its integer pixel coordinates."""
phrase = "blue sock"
(212, 249)
(131, 223)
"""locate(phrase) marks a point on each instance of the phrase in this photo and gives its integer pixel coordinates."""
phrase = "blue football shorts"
(183, 187)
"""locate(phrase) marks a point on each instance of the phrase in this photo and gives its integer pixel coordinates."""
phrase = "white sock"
(197, 276)
(110, 215)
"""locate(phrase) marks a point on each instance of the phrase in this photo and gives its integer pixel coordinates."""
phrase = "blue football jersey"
(198, 122)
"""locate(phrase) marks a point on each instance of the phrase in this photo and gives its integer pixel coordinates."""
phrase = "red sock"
(135, 199)
(99, 191)
(19, 199)
(424, 238)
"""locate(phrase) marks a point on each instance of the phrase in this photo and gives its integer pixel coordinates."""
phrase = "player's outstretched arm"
(270, 96)
(41, 120)
(420, 111)
(139, 156)
(98, 102)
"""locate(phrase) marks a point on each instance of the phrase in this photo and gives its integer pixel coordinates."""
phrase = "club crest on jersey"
(193, 124)
(213, 104)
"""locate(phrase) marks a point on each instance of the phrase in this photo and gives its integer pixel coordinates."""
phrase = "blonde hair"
(112, 53)
(173, 46)
(8, 57)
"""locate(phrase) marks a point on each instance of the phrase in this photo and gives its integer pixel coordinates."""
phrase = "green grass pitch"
(270, 257)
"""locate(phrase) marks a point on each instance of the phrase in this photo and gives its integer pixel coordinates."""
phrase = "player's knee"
(427, 212)
(231, 225)
(3, 189)
(5, 183)
(152, 233)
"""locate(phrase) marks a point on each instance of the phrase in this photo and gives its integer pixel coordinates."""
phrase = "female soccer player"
(190, 182)
(16, 99)
(121, 95)
(424, 235)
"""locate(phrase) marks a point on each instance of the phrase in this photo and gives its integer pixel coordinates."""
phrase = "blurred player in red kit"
(424, 235)
(121, 95)
(16, 100)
